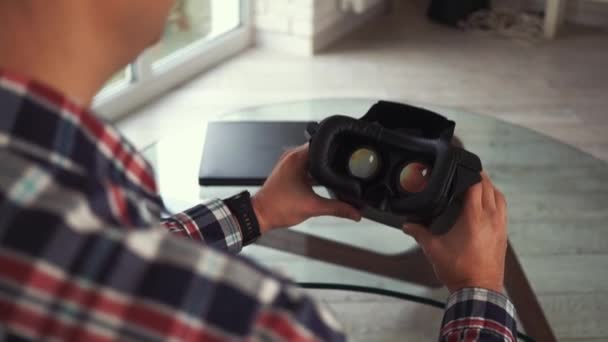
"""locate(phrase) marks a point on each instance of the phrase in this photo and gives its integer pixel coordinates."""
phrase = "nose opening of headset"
(378, 196)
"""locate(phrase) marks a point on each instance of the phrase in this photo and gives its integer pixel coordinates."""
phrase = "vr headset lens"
(364, 163)
(414, 177)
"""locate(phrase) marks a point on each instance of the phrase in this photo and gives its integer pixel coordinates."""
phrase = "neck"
(61, 53)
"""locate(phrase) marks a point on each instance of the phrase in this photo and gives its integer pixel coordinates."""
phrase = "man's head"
(76, 45)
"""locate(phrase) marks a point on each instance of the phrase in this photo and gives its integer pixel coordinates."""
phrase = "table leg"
(411, 266)
(522, 295)
(554, 17)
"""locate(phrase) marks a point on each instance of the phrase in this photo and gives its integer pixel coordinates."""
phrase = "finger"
(301, 151)
(328, 207)
(473, 197)
(302, 147)
(488, 201)
(418, 232)
(501, 202)
(284, 155)
(298, 157)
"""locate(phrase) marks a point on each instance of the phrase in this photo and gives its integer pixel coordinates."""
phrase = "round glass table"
(557, 263)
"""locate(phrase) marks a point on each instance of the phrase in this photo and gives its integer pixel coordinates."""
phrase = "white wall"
(308, 26)
(587, 12)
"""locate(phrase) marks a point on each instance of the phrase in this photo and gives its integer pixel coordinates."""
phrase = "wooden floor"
(559, 88)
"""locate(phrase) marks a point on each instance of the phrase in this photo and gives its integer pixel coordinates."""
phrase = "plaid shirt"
(84, 255)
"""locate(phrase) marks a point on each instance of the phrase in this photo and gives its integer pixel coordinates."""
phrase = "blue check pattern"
(84, 255)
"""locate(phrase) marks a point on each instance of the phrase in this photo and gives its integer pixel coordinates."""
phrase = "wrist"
(260, 215)
(495, 285)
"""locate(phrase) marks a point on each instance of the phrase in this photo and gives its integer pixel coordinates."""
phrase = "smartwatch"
(241, 207)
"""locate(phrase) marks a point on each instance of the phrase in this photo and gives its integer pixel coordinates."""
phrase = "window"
(120, 80)
(194, 20)
(198, 34)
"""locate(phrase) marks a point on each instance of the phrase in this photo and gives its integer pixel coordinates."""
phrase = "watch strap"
(241, 207)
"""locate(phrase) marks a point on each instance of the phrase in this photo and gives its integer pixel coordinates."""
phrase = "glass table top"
(557, 198)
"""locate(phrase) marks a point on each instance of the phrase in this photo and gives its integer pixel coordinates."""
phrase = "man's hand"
(472, 254)
(287, 198)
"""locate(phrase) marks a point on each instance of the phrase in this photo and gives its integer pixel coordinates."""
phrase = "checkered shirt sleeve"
(475, 314)
(210, 223)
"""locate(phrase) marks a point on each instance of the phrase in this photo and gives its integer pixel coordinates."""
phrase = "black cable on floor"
(389, 293)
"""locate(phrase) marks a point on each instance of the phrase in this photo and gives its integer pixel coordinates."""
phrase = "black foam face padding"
(400, 134)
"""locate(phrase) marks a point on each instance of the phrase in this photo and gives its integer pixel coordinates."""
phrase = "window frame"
(149, 81)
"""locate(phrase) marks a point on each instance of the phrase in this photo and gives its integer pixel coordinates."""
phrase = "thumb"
(417, 231)
(336, 208)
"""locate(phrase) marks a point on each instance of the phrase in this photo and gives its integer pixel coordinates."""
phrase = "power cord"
(389, 293)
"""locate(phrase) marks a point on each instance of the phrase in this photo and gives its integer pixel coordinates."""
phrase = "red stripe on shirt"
(20, 317)
(454, 336)
(97, 128)
(282, 327)
(120, 153)
(49, 95)
(471, 322)
(190, 226)
(120, 202)
(129, 161)
(136, 313)
(471, 335)
(18, 80)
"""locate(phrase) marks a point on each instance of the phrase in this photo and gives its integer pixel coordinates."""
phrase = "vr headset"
(397, 164)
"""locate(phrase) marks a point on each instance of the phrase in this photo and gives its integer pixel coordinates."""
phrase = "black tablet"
(244, 152)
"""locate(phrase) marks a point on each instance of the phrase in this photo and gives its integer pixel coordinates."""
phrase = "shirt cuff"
(213, 223)
(481, 310)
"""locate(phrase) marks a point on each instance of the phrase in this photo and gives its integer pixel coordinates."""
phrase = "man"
(83, 253)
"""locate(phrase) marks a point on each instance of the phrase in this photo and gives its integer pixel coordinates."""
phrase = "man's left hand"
(287, 197)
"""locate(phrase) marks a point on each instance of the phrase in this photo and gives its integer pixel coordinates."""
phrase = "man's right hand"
(472, 253)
